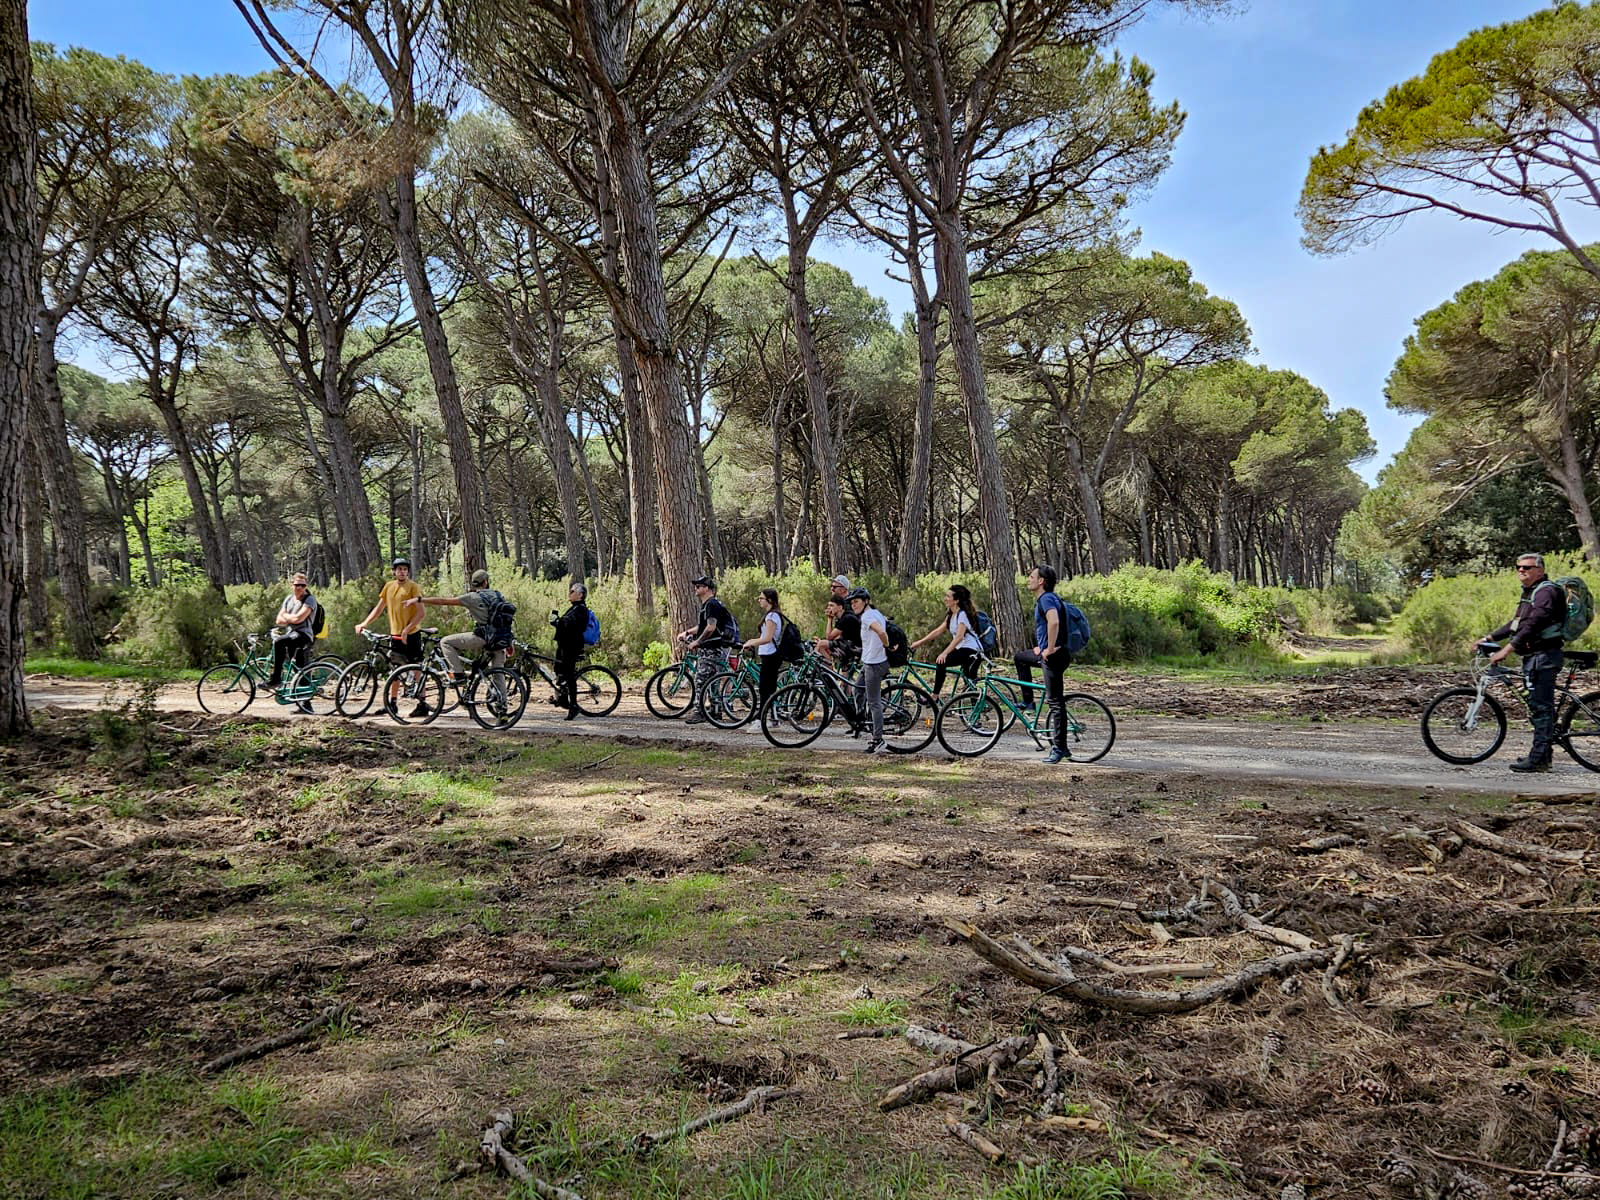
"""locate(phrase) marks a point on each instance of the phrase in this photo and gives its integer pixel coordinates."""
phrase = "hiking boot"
(695, 719)
(1531, 764)
(421, 710)
(874, 746)
(572, 714)
(1053, 757)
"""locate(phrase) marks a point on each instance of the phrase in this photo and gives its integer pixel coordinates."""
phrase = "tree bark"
(61, 488)
(955, 285)
(19, 307)
(33, 519)
(822, 447)
(920, 486)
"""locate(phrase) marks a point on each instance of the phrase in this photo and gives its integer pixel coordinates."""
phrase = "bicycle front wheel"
(795, 716)
(356, 690)
(969, 723)
(413, 694)
(599, 691)
(1580, 730)
(670, 692)
(1460, 729)
(728, 699)
(1090, 727)
(225, 690)
(497, 698)
(908, 716)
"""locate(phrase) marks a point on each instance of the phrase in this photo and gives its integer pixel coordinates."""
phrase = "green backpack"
(1580, 608)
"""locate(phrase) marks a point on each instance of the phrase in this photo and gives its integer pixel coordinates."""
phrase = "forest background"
(429, 290)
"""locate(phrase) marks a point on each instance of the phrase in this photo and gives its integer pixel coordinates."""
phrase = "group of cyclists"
(857, 641)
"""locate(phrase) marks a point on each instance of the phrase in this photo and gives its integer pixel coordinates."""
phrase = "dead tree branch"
(492, 1149)
(300, 1033)
(1485, 840)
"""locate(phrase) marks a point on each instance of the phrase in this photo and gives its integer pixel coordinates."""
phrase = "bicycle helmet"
(400, 562)
(859, 593)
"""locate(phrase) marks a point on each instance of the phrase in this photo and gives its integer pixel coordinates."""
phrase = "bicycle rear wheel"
(908, 716)
(795, 716)
(1090, 727)
(670, 692)
(599, 691)
(969, 723)
(356, 690)
(316, 687)
(413, 694)
(497, 698)
(1580, 730)
(728, 699)
(1457, 729)
(225, 690)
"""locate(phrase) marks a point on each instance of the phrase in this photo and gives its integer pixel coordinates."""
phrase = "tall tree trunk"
(19, 306)
(919, 487)
(602, 557)
(352, 511)
(994, 510)
(822, 447)
(778, 524)
(557, 439)
(205, 530)
(1224, 533)
(415, 523)
(400, 210)
(61, 488)
(34, 510)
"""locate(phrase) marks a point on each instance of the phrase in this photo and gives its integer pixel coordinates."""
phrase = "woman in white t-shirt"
(765, 644)
(961, 627)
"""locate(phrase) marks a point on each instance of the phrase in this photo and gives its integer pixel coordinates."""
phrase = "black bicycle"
(494, 696)
(1465, 725)
(796, 715)
(599, 689)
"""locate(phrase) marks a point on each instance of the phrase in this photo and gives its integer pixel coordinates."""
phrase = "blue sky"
(1263, 89)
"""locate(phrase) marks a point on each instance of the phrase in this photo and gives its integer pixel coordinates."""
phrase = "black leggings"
(296, 644)
(966, 660)
(771, 668)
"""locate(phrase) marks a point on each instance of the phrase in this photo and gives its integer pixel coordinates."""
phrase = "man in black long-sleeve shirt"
(570, 647)
(1536, 635)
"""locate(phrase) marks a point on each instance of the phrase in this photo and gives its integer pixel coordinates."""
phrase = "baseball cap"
(703, 581)
(480, 577)
(841, 581)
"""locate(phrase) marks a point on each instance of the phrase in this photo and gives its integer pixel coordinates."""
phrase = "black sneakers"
(1525, 765)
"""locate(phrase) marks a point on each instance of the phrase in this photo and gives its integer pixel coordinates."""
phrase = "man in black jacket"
(570, 647)
(1536, 635)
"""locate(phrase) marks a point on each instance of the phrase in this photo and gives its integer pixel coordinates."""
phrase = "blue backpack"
(987, 637)
(591, 629)
(1077, 631)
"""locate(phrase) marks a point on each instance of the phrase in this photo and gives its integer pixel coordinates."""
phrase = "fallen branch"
(492, 1149)
(266, 1046)
(938, 1043)
(1256, 927)
(599, 762)
(643, 1143)
(1062, 982)
(1330, 989)
(878, 1031)
(966, 1070)
(1051, 1084)
(1322, 845)
(1483, 839)
(969, 1135)
(1182, 970)
(1076, 1124)
(1486, 1165)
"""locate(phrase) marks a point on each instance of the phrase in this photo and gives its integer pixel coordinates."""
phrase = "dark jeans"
(964, 660)
(1540, 670)
(567, 677)
(297, 644)
(771, 667)
(1054, 666)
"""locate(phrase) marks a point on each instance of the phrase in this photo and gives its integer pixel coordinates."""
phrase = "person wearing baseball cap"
(715, 633)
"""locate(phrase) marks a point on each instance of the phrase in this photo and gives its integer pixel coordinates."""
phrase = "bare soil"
(610, 938)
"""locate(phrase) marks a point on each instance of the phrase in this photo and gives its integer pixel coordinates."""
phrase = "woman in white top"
(766, 644)
(961, 626)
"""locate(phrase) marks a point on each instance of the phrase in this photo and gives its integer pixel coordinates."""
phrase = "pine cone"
(1400, 1175)
(1292, 1191)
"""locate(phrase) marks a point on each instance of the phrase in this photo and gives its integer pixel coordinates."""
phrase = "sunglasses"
(1528, 567)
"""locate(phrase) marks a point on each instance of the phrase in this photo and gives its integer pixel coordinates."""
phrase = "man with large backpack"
(491, 630)
(717, 632)
(1537, 633)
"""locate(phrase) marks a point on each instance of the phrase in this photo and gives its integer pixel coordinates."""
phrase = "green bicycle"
(970, 723)
(672, 691)
(229, 688)
(731, 697)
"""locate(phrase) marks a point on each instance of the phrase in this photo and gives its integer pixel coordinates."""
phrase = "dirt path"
(1301, 731)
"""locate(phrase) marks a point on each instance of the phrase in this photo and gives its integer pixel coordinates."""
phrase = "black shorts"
(406, 650)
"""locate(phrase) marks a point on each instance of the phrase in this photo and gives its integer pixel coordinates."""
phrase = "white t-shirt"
(969, 641)
(774, 622)
(873, 649)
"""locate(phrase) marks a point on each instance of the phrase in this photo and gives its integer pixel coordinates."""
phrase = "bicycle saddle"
(1582, 658)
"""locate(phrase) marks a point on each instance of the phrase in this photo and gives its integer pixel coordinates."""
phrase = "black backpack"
(318, 619)
(899, 646)
(790, 646)
(496, 630)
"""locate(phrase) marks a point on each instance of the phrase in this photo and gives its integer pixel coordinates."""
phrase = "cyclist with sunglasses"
(1536, 635)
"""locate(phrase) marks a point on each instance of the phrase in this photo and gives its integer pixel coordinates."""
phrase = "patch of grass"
(1129, 1174)
(642, 915)
(422, 897)
(624, 983)
(1535, 1036)
(334, 1153)
(874, 1012)
(433, 790)
(76, 668)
